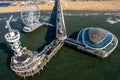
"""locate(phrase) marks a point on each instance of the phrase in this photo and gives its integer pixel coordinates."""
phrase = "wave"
(90, 14)
(110, 20)
(13, 20)
(45, 18)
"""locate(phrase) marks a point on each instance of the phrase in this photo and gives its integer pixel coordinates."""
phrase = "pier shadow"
(80, 51)
(4, 47)
(53, 15)
(74, 36)
(51, 31)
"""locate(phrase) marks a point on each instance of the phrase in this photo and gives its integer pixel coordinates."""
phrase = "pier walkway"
(50, 50)
(37, 61)
(60, 23)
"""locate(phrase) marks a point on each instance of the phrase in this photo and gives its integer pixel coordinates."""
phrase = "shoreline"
(95, 6)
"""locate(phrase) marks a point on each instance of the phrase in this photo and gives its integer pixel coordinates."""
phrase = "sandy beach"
(83, 5)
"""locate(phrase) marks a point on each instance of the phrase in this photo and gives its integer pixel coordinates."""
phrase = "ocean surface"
(67, 64)
(5, 4)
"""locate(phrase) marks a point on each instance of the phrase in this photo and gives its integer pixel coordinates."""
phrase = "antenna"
(8, 23)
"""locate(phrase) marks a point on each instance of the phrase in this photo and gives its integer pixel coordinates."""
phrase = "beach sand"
(83, 5)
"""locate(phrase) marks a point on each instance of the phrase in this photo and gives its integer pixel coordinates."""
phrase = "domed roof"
(95, 38)
(97, 41)
(97, 35)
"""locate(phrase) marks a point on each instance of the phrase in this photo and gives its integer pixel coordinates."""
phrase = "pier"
(100, 52)
(26, 62)
(60, 23)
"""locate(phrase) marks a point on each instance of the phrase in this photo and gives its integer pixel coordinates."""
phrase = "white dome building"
(101, 41)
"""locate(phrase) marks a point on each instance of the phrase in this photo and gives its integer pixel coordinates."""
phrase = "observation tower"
(24, 62)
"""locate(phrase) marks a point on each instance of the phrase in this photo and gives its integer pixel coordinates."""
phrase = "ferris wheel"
(30, 14)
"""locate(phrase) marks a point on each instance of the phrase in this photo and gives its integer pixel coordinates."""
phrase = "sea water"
(67, 64)
(5, 4)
